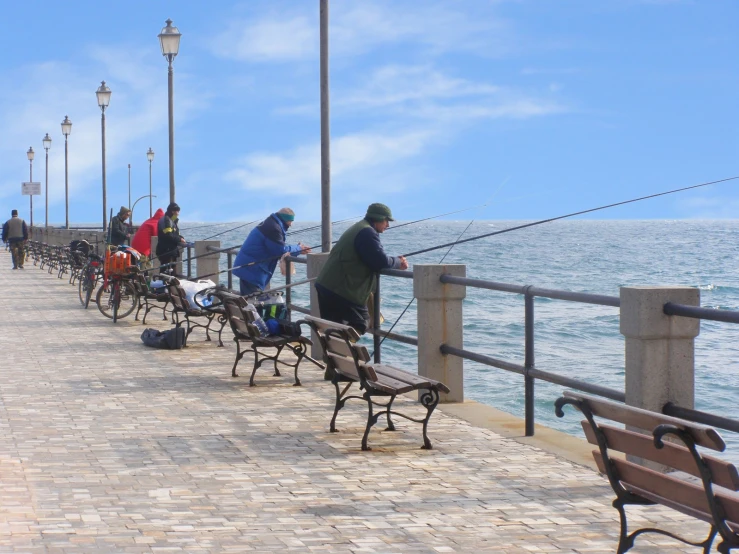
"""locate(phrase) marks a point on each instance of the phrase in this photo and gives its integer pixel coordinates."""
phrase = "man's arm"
(369, 248)
(5, 232)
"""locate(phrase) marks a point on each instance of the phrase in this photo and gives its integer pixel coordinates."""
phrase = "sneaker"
(15, 267)
(21, 267)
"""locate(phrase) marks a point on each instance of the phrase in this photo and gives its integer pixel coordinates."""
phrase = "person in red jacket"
(142, 239)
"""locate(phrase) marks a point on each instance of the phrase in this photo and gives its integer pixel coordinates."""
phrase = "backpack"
(172, 339)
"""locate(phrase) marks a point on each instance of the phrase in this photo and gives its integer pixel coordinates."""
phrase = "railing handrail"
(698, 312)
(583, 297)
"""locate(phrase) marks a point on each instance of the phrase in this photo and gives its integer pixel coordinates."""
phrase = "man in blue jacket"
(262, 249)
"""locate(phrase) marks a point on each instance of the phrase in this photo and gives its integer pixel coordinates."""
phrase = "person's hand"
(304, 249)
(403, 262)
(182, 240)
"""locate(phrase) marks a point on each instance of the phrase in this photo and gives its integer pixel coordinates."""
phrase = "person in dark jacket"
(15, 234)
(169, 238)
(120, 231)
(262, 249)
(349, 276)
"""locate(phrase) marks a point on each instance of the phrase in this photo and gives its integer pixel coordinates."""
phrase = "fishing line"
(478, 237)
(440, 261)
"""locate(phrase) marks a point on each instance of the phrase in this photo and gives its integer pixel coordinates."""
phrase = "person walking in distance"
(169, 239)
(15, 234)
(349, 276)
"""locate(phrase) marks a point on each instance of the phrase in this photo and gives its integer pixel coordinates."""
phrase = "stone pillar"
(208, 263)
(659, 348)
(440, 322)
(315, 264)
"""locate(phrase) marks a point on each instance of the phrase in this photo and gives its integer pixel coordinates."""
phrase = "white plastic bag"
(193, 287)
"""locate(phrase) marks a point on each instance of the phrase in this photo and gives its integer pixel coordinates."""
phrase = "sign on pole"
(31, 189)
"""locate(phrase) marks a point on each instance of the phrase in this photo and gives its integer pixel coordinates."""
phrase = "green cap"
(379, 212)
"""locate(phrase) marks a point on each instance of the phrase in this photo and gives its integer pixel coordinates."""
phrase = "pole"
(171, 131)
(150, 198)
(31, 180)
(105, 206)
(129, 188)
(47, 188)
(325, 135)
(66, 182)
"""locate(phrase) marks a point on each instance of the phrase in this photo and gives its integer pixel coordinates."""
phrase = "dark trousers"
(246, 288)
(17, 251)
(167, 259)
(335, 308)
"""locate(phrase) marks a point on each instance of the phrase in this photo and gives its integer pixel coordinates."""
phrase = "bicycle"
(89, 277)
(118, 297)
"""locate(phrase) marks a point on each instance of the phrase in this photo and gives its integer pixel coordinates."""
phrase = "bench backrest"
(656, 486)
(340, 350)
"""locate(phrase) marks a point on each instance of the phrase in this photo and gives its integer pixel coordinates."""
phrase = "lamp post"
(150, 157)
(47, 144)
(129, 184)
(169, 40)
(137, 201)
(30, 155)
(103, 94)
(66, 131)
(325, 131)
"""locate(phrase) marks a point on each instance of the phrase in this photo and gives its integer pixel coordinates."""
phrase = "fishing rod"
(517, 227)
(320, 225)
(230, 230)
(334, 242)
(208, 226)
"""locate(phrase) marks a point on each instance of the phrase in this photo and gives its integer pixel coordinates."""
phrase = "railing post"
(660, 349)
(189, 262)
(288, 290)
(529, 402)
(440, 321)
(315, 264)
(230, 264)
(207, 262)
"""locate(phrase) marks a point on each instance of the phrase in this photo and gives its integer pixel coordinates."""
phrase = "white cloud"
(51, 90)
(292, 33)
(355, 159)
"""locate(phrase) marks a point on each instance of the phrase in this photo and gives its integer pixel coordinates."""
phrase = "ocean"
(572, 339)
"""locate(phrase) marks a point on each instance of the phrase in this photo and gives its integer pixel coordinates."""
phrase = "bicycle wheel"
(92, 283)
(82, 286)
(116, 300)
(104, 299)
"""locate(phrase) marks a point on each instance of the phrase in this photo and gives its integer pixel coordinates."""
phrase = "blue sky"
(436, 105)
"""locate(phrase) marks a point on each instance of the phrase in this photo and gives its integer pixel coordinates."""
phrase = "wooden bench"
(349, 364)
(181, 305)
(148, 299)
(245, 330)
(700, 486)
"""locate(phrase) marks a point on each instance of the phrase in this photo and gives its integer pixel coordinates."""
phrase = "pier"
(108, 446)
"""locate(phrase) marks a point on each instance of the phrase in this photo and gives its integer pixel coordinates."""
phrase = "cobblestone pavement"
(107, 446)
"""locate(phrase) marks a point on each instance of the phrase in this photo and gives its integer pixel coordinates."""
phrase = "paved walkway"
(107, 446)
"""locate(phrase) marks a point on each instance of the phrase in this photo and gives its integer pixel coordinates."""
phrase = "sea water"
(572, 339)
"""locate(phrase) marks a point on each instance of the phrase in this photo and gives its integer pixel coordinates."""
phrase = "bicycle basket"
(117, 263)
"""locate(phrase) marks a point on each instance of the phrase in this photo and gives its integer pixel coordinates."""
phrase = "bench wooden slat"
(675, 456)
(417, 381)
(339, 346)
(643, 419)
(325, 324)
(348, 367)
(680, 493)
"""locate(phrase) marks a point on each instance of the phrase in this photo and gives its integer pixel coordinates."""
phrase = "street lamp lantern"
(66, 126)
(66, 131)
(30, 153)
(47, 144)
(150, 155)
(169, 40)
(103, 93)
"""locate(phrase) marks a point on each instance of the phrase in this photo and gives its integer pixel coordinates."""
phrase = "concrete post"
(440, 322)
(659, 348)
(208, 264)
(315, 264)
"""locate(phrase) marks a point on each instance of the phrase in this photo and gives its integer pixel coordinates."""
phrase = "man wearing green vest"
(350, 274)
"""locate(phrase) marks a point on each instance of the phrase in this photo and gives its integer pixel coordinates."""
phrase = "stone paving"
(107, 446)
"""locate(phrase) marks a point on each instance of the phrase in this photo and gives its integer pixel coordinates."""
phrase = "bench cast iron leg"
(239, 355)
(430, 399)
(390, 426)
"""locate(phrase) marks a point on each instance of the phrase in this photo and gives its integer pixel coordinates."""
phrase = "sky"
(536, 108)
